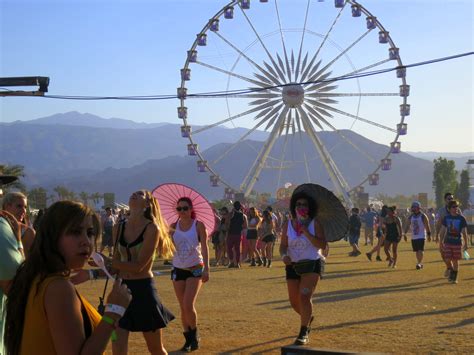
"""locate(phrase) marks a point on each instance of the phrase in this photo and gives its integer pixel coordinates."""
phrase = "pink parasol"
(168, 196)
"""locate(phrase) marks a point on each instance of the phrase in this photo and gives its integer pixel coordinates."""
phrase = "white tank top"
(188, 247)
(299, 247)
(417, 227)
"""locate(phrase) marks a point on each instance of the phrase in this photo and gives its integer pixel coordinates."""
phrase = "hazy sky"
(105, 47)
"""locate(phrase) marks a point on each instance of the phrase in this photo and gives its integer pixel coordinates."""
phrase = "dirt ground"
(359, 306)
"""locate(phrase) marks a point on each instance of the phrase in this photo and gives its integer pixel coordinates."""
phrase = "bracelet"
(115, 308)
(108, 320)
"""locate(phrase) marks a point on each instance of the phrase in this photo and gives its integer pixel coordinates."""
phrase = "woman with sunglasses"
(454, 226)
(302, 239)
(190, 267)
(143, 233)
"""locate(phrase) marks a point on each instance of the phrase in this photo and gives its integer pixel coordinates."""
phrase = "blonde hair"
(165, 244)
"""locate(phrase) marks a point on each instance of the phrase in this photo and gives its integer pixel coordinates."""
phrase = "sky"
(125, 48)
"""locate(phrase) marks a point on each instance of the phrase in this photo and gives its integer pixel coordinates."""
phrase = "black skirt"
(145, 312)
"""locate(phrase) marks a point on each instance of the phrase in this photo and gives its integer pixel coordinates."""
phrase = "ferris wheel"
(293, 77)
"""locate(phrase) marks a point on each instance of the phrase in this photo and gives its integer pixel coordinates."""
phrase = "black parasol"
(331, 214)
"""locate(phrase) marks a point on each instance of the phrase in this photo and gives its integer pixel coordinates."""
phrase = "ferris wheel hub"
(293, 95)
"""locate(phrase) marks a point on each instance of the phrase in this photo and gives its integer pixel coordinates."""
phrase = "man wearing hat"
(420, 227)
(11, 255)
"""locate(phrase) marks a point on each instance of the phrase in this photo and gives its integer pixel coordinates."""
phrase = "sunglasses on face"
(141, 193)
(184, 208)
(301, 204)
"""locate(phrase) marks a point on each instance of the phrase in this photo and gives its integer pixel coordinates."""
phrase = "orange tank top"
(37, 337)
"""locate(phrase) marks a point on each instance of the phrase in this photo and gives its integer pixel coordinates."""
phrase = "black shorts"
(418, 244)
(251, 234)
(269, 238)
(145, 312)
(292, 275)
(392, 238)
(178, 274)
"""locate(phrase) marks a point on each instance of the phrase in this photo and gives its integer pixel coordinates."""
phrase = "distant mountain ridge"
(89, 153)
(74, 118)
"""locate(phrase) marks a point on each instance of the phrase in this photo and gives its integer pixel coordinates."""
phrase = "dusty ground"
(359, 306)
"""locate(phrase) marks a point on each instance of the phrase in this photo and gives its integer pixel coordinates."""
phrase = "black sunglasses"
(184, 208)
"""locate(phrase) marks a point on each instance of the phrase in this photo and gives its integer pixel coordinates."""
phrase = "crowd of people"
(39, 267)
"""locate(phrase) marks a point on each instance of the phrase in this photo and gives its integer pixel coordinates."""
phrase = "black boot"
(303, 337)
(259, 261)
(187, 345)
(252, 263)
(269, 263)
(264, 261)
(194, 337)
(454, 277)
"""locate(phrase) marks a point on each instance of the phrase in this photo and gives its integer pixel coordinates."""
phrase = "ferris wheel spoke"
(318, 81)
(247, 58)
(314, 119)
(283, 153)
(301, 42)
(327, 35)
(310, 69)
(240, 140)
(338, 180)
(282, 37)
(340, 134)
(343, 52)
(329, 108)
(254, 172)
(282, 67)
(364, 68)
(205, 128)
(262, 84)
(350, 94)
(261, 95)
(282, 76)
(305, 159)
(316, 106)
(272, 116)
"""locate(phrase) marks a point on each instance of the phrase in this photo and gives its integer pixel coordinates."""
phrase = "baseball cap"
(416, 204)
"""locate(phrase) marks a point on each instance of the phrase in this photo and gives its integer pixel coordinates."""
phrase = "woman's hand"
(286, 260)
(205, 275)
(120, 294)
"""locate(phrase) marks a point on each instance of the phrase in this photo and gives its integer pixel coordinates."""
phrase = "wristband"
(108, 320)
(115, 308)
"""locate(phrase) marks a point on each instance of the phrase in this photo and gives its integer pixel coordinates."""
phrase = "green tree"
(15, 170)
(462, 192)
(62, 192)
(37, 197)
(444, 179)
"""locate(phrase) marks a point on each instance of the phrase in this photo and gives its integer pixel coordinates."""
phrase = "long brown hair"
(44, 260)
(165, 245)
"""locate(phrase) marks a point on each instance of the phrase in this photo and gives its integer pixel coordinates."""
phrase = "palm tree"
(62, 192)
(37, 197)
(84, 196)
(96, 197)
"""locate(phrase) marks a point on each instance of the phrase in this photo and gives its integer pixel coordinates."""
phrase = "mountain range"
(87, 153)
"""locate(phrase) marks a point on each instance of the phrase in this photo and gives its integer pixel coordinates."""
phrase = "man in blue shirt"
(368, 218)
